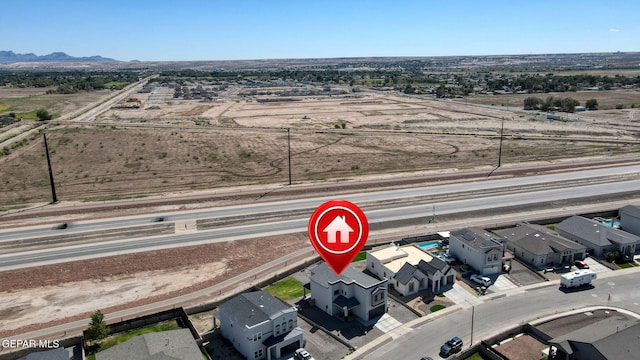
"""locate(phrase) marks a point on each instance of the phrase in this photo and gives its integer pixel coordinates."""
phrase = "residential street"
(519, 306)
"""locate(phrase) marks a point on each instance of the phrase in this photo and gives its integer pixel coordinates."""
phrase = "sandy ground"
(78, 297)
(34, 298)
(175, 146)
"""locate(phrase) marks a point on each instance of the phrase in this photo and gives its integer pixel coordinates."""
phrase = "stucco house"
(606, 339)
(478, 248)
(630, 220)
(410, 269)
(173, 344)
(597, 237)
(352, 293)
(260, 326)
(541, 247)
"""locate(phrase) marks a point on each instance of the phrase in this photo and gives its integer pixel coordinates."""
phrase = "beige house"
(410, 269)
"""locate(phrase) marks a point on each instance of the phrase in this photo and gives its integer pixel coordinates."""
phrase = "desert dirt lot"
(186, 145)
(74, 290)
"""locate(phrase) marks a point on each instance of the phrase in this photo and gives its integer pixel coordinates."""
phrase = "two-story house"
(350, 293)
(478, 248)
(630, 220)
(260, 326)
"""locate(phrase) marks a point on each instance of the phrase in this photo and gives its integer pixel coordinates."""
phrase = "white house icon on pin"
(338, 225)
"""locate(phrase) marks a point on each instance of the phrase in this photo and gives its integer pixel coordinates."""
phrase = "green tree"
(569, 104)
(98, 328)
(591, 104)
(532, 103)
(43, 114)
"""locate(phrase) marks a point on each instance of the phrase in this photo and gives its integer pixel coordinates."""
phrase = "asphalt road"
(299, 224)
(519, 306)
(439, 195)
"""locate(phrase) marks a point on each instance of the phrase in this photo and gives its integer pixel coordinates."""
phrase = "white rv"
(577, 278)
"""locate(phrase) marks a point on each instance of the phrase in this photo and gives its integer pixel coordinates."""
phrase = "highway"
(378, 217)
(440, 196)
(519, 306)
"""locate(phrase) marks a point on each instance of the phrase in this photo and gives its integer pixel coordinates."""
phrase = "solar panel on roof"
(468, 237)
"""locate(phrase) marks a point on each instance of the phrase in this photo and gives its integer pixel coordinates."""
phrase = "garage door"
(291, 348)
(379, 311)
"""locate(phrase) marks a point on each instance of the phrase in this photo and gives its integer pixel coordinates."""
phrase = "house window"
(411, 288)
(290, 324)
(495, 257)
(257, 336)
(277, 329)
(373, 265)
(384, 274)
(284, 326)
(541, 261)
(336, 292)
(257, 354)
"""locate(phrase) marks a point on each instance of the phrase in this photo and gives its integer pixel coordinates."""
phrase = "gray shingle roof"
(405, 274)
(614, 338)
(427, 268)
(253, 308)
(55, 354)
(166, 345)
(595, 232)
(633, 210)
(322, 274)
(476, 238)
(538, 239)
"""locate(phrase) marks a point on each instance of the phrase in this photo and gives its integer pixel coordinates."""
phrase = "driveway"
(596, 266)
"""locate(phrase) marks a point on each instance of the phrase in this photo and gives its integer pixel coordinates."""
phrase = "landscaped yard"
(629, 264)
(286, 289)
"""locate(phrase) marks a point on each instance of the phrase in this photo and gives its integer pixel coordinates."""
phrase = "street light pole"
(473, 310)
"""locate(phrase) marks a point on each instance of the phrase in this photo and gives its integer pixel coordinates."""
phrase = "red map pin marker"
(338, 230)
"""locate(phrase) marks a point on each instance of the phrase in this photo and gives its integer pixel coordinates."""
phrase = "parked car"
(446, 257)
(581, 264)
(482, 280)
(452, 346)
(302, 354)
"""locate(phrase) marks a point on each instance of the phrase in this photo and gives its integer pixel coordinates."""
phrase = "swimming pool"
(428, 245)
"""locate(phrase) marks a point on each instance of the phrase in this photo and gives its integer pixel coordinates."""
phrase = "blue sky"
(252, 29)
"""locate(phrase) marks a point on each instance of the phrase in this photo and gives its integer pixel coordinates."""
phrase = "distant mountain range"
(8, 57)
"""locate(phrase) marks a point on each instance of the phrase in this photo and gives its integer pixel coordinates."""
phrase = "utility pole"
(53, 186)
(500, 149)
(289, 150)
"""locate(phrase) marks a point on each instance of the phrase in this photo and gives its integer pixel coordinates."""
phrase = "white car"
(482, 280)
(302, 354)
